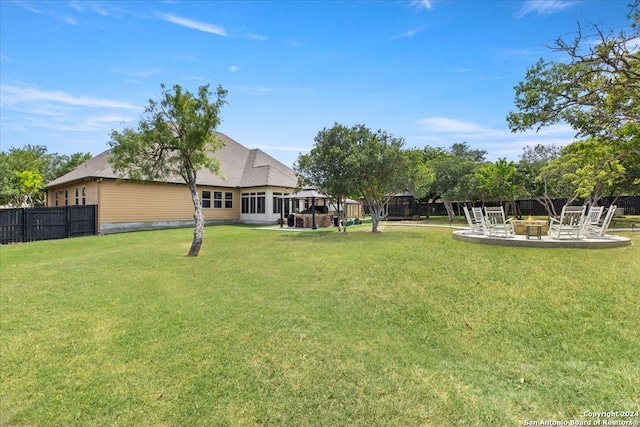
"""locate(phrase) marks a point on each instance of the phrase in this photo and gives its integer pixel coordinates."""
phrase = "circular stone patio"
(608, 241)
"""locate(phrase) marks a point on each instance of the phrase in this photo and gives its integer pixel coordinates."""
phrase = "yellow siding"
(133, 202)
(91, 197)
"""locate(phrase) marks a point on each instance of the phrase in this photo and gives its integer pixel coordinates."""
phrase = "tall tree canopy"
(532, 181)
(25, 171)
(589, 169)
(499, 181)
(357, 162)
(175, 137)
(455, 173)
(596, 91)
(379, 169)
(325, 167)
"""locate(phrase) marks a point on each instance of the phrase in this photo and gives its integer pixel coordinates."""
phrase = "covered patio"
(315, 215)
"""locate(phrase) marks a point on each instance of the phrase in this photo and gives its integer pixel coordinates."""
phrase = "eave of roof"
(240, 167)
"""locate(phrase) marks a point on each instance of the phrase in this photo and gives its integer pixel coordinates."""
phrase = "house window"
(56, 197)
(84, 195)
(66, 197)
(77, 193)
(262, 203)
(245, 203)
(277, 203)
(228, 200)
(217, 199)
(206, 199)
(254, 203)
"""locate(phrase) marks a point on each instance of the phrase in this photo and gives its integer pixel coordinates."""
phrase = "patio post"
(313, 213)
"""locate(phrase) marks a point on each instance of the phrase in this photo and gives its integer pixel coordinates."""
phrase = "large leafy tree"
(24, 172)
(596, 90)
(325, 167)
(379, 169)
(455, 174)
(533, 182)
(588, 168)
(419, 176)
(499, 181)
(175, 138)
(357, 162)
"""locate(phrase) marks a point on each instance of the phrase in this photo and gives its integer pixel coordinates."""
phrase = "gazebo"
(307, 218)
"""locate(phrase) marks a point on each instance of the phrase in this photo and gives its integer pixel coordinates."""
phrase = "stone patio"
(608, 241)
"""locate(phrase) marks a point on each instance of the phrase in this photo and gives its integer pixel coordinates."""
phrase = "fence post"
(68, 227)
(25, 228)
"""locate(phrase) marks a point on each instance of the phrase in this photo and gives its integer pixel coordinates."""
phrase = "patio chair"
(570, 223)
(496, 223)
(475, 226)
(478, 218)
(599, 229)
(592, 218)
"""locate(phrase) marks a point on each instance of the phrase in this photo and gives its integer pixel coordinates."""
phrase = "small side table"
(534, 230)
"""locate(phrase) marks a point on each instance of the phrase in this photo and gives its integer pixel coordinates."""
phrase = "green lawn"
(401, 328)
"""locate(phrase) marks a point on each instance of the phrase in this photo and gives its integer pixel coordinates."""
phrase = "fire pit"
(520, 225)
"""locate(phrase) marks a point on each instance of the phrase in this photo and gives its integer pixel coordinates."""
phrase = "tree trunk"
(343, 216)
(449, 207)
(198, 231)
(377, 214)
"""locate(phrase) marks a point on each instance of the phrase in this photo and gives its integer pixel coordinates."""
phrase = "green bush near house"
(406, 327)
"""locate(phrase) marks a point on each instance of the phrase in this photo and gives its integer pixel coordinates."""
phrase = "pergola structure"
(306, 194)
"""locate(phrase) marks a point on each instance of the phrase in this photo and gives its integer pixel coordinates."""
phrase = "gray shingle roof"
(241, 167)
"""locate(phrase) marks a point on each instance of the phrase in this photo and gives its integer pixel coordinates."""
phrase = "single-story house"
(250, 192)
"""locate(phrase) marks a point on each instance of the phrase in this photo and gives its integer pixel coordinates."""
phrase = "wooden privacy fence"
(40, 223)
(406, 206)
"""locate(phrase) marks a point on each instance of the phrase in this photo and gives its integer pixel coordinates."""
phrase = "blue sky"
(432, 72)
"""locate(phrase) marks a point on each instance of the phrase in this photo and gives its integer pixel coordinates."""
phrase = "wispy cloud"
(7, 59)
(254, 36)
(443, 124)
(544, 7)
(406, 34)
(293, 43)
(70, 20)
(498, 142)
(422, 4)
(182, 57)
(30, 6)
(234, 68)
(36, 110)
(13, 95)
(80, 124)
(89, 6)
(195, 25)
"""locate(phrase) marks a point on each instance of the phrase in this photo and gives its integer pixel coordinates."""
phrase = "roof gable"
(240, 167)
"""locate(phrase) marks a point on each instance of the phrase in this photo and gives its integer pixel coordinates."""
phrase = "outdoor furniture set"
(575, 222)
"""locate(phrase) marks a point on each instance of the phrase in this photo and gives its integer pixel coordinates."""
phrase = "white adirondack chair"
(570, 223)
(475, 227)
(592, 218)
(599, 229)
(479, 219)
(496, 223)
